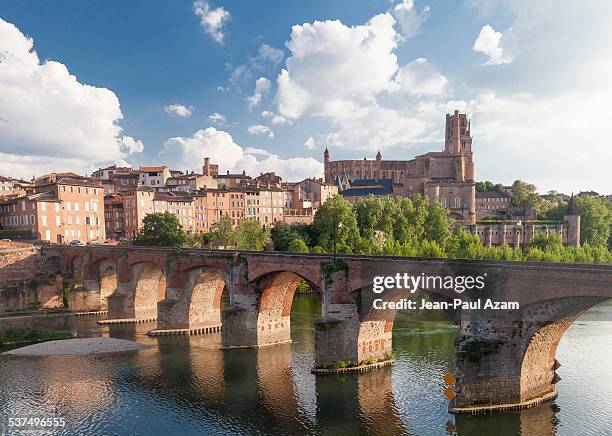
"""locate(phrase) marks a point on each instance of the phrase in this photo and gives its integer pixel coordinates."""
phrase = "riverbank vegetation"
(396, 226)
(31, 335)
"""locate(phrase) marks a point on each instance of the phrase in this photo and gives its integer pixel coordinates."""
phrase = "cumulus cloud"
(179, 110)
(409, 18)
(349, 76)
(310, 143)
(185, 152)
(332, 65)
(130, 145)
(262, 86)
(275, 118)
(267, 57)
(489, 42)
(419, 77)
(49, 117)
(213, 20)
(546, 113)
(259, 129)
(217, 118)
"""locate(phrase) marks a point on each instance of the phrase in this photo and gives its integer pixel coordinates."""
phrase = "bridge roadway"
(504, 358)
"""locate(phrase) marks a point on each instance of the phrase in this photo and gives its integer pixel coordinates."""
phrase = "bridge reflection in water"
(191, 384)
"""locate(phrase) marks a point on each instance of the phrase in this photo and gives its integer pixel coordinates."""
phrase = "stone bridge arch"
(193, 302)
(141, 285)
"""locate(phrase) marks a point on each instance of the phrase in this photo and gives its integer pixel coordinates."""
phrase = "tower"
(457, 137)
(572, 221)
(327, 176)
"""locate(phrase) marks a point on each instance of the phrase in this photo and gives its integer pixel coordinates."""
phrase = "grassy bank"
(16, 336)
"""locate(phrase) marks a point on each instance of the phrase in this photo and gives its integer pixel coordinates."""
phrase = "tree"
(161, 230)
(595, 221)
(251, 235)
(336, 223)
(437, 225)
(282, 234)
(464, 245)
(525, 195)
(488, 186)
(298, 246)
(222, 233)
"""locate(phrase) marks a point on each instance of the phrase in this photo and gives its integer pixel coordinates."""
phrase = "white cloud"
(544, 117)
(267, 57)
(332, 65)
(179, 110)
(212, 20)
(220, 147)
(350, 77)
(275, 118)
(262, 87)
(489, 42)
(310, 143)
(217, 118)
(419, 77)
(130, 145)
(48, 116)
(259, 129)
(409, 18)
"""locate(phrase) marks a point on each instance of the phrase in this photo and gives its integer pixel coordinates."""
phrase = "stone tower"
(572, 221)
(327, 167)
(458, 141)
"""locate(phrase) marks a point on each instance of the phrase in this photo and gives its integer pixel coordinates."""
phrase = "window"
(443, 202)
(43, 206)
(57, 220)
(457, 203)
(44, 221)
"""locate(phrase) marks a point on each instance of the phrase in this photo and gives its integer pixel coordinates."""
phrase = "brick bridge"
(504, 359)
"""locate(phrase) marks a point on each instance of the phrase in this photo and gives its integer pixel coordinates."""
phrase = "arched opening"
(276, 295)
(538, 375)
(53, 265)
(206, 297)
(149, 288)
(108, 281)
(193, 304)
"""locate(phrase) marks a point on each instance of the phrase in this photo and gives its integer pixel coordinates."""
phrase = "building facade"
(446, 176)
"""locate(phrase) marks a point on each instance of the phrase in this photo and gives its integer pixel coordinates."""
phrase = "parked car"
(6, 240)
(111, 241)
(75, 242)
(94, 242)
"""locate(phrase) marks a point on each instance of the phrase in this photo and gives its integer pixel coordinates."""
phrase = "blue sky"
(415, 62)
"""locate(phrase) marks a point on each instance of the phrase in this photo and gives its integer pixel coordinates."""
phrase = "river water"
(189, 385)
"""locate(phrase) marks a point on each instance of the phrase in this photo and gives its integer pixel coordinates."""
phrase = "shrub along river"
(189, 385)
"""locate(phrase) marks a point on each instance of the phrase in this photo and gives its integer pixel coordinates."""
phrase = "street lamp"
(336, 226)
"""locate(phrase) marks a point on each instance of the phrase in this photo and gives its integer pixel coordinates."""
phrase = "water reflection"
(191, 385)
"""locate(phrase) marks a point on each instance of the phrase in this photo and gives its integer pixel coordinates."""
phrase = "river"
(189, 385)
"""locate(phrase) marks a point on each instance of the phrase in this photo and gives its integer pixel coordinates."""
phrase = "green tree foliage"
(221, 233)
(417, 227)
(298, 246)
(595, 221)
(282, 234)
(525, 195)
(161, 230)
(336, 222)
(488, 186)
(250, 235)
(464, 245)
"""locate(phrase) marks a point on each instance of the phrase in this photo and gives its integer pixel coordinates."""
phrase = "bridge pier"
(505, 363)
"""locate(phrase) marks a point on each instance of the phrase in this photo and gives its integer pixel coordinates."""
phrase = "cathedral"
(444, 176)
